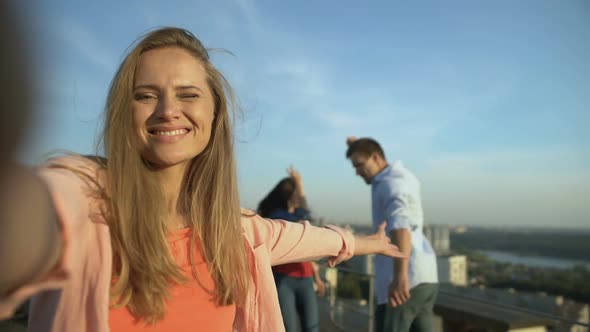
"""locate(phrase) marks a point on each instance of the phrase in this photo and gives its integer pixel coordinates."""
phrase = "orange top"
(190, 307)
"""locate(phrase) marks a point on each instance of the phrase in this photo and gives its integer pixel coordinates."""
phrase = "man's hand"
(350, 140)
(399, 291)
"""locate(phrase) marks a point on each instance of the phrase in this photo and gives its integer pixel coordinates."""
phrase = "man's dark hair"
(366, 147)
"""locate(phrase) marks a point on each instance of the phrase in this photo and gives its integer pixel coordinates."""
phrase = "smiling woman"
(153, 234)
(173, 107)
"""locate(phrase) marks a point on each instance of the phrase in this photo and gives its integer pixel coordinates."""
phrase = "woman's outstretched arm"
(378, 243)
(30, 241)
(289, 242)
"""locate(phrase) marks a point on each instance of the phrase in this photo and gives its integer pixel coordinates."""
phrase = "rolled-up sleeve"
(347, 250)
(396, 206)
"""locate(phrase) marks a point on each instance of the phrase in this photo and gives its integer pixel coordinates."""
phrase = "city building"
(439, 238)
(452, 269)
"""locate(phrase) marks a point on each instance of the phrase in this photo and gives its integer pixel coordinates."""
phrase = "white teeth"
(171, 133)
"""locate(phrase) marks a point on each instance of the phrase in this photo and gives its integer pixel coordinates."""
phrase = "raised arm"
(302, 211)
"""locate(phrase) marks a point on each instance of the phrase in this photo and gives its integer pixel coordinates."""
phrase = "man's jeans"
(414, 315)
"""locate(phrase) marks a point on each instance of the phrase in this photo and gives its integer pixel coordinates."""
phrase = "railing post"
(371, 304)
(332, 279)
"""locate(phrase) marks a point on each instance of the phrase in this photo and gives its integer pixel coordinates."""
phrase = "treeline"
(571, 283)
(558, 245)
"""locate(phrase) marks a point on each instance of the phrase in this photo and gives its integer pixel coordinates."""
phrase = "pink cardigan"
(75, 295)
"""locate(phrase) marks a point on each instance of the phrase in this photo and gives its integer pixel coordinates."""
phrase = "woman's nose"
(167, 108)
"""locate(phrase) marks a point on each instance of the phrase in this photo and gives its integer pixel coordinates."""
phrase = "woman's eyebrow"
(146, 86)
(188, 87)
(155, 87)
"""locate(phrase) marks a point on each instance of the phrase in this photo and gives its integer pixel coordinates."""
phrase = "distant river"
(533, 261)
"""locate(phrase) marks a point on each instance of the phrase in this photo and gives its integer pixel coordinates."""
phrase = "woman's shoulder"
(88, 168)
(256, 228)
(76, 184)
(250, 220)
(76, 161)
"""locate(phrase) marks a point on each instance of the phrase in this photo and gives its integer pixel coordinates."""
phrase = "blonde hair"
(143, 265)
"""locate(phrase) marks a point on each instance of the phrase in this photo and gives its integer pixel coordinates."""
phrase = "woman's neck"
(171, 179)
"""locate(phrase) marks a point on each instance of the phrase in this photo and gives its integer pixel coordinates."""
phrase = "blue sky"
(487, 101)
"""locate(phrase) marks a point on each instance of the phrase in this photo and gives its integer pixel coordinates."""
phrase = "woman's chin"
(162, 162)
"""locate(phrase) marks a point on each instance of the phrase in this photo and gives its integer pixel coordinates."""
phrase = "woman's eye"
(144, 96)
(189, 96)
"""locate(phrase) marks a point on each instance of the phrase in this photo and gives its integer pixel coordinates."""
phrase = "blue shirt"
(297, 215)
(396, 199)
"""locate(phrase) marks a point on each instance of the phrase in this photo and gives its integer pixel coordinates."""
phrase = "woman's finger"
(382, 227)
(394, 252)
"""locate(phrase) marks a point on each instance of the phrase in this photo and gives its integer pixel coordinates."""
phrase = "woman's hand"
(378, 243)
(318, 283)
(320, 287)
(295, 175)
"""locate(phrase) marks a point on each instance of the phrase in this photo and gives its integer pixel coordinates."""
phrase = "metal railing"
(333, 296)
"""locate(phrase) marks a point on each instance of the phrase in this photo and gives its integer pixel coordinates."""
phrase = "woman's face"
(173, 107)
